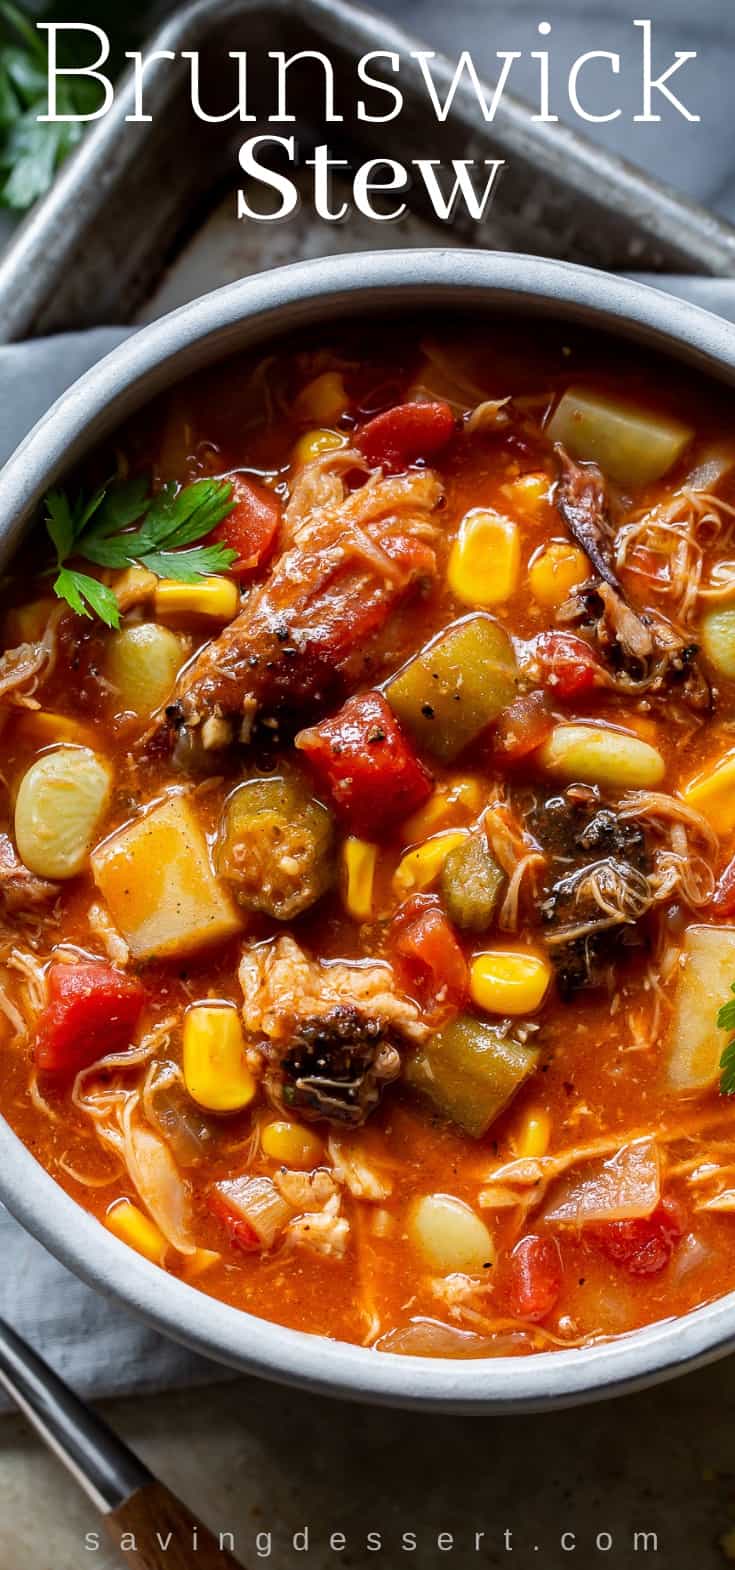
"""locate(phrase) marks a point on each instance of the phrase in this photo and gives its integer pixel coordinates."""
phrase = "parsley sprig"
(726, 1021)
(100, 530)
(31, 150)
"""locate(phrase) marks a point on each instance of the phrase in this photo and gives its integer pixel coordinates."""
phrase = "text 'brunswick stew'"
(368, 909)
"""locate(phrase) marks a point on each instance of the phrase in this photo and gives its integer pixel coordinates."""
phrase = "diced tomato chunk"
(429, 953)
(400, 436)
(570, 666)
(367, 764)
(644, 1246)
(522, 727)
(241, 1232)
(723, 899)
(92, 1010)
(534, 1277)
(251, 527)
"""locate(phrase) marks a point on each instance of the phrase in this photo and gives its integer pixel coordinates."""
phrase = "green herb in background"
(726, 1021)
(99, 530)
(32, 152)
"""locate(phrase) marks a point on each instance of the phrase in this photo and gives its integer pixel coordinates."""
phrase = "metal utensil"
(135, 1507)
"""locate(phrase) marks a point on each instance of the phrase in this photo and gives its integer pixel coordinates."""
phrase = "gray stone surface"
(253, 1459)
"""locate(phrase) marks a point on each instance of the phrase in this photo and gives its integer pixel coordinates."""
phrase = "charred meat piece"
(304, 631)
(332, 1031)
(581, 498)
(338, 1065)
(597, 893)
(644, 651)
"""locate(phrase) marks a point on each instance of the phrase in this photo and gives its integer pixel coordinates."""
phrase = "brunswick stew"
(367, 874)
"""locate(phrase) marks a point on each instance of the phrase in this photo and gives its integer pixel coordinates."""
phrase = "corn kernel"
(713, 794)
(528, 493)
(215, 1072)
(485, 561)
(216, 597)
(313, 444)
(131, 1226)
(556, 571)
(509, 983)
(419, 868)
(323, 400)
(463, 795)
(291, 1144)
(359, 859)
(42, 728)
(27, 623)
(534, 1134)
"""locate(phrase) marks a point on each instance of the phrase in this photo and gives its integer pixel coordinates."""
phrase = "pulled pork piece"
(23, 669)
(350, 557)
(333, 1030)
(645, 652)
(20, 889)
(598, 889)
(581, 498)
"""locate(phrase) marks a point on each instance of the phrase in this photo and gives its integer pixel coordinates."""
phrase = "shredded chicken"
(306, 1190)
(324, 1231)
(489, 415)
(686, 850)
(351, 1167)
(281, 985)
(350, 558)
(112, 941)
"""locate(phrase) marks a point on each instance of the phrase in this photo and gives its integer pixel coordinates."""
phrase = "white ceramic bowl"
(240, 317)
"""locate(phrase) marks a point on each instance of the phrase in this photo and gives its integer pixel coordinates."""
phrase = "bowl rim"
(239, 316)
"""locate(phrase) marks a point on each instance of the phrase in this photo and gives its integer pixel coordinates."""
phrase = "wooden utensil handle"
(154, 1531)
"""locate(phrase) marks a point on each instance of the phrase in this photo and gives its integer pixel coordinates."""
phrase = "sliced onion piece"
(431, 1338)
(256, 1201)
(622, 1188)
(159, 1183)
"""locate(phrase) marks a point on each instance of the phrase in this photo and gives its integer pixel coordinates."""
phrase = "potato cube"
(162, 894)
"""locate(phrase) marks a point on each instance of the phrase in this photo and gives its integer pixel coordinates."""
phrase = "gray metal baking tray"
(135, 196)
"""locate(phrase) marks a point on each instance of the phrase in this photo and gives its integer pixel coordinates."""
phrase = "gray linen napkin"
(94, 1344)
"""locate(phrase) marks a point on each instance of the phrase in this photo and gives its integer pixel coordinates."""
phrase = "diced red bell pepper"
(644, 1246)
(398, 437)
(251, 527)
(723, 899)
(366, 763)
(534, 1277)
(428, 952)
(241, 1232)
(570, 666)
(92, 1010)
(522, 727)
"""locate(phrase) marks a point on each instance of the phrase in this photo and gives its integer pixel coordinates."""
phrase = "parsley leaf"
(80, 592)
(726, 1021)
(32, 151)
(99, 530)
(187, 566)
